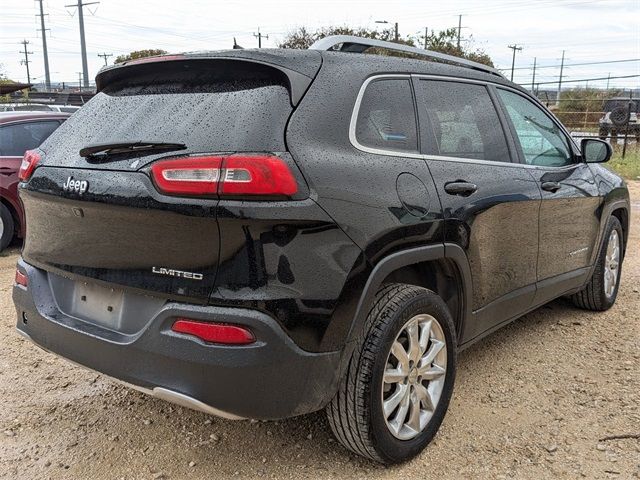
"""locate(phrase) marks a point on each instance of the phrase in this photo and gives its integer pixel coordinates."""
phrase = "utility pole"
(26, 60)
(560, 80)
(513, 60)
(83, 45)
(80, 80)
(459, 29)
(533, 80)
(260, 36)
(608, 78)
(47, 77)
(426, 36)
(105, 56)
(396, 27)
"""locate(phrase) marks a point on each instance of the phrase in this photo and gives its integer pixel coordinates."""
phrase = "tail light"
(233, 175)
(21, 278)
(214, 332)
(28, 165)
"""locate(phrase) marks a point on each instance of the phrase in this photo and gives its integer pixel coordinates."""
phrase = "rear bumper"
(270, 379)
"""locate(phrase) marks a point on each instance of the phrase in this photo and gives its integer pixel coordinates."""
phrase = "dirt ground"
(535, 400)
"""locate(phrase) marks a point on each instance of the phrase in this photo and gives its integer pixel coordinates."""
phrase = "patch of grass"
(629, 167)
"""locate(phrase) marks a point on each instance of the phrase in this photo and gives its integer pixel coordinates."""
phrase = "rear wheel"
(601, 291)
(7, 227)
(400, 377)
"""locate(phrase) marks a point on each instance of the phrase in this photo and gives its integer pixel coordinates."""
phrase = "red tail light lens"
(21, 278)
(29, 162)
(234, 175)
(257, 175)
(214, 332)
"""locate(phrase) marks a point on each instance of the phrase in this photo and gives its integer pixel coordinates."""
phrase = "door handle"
(6, 171)
(460, 187)
(551, 186)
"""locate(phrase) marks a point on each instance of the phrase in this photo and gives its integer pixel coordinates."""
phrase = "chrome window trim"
(420, 156)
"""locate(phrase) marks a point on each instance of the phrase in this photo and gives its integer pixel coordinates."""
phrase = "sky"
(588, 30)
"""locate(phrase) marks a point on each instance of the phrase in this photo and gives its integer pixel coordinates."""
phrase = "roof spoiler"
(298, 82)
(351, 43)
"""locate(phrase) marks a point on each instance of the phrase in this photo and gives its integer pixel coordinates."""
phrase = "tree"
(139, 54)
(444, 41)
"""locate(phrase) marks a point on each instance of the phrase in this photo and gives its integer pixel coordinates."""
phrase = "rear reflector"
(21, 278)
(28, 165)
(234, 175)
(214, 332)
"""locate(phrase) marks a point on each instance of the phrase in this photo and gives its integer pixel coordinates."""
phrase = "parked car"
(266, 233)
(37, 107)
(620, 116)
(19, 132)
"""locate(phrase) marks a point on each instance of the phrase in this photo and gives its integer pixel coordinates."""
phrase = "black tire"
(603, 133)
(593, 296)
(619, 116)
(355, 414)
(7, 227)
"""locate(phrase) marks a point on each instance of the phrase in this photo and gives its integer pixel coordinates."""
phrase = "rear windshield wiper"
(115, 148)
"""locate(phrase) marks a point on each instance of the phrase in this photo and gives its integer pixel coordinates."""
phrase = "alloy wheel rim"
(1, 227)
(612, 264)
(414, 376)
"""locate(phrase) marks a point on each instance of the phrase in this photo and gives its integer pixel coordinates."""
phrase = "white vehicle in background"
(37, 107)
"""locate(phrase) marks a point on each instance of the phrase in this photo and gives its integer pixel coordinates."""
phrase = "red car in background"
(19, 132)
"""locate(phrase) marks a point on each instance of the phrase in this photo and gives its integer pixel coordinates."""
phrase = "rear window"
(205, 109)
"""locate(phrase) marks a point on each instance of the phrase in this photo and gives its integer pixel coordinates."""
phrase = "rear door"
(490, 204)
(119, 228)
(569, 214)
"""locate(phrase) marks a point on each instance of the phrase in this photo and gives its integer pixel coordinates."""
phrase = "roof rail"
(351, 43)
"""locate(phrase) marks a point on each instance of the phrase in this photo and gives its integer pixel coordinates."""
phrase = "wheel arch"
(442, 268)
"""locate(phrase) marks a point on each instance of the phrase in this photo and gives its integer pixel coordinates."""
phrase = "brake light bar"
(233, 175)
(28, 165)
(214, 332)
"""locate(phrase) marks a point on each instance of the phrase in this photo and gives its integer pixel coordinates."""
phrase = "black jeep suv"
(266, 233)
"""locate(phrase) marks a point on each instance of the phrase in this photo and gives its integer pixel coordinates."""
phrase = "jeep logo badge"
(79, 186)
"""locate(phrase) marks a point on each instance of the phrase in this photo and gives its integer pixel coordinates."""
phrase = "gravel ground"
(538, 399)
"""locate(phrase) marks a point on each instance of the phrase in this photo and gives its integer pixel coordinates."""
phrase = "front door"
(569, 218)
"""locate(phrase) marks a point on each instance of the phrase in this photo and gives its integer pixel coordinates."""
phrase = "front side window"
(541, 140)
(386, 118)
(462, 121)
(17, 139)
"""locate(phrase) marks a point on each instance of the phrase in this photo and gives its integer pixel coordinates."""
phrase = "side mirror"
(595, 150)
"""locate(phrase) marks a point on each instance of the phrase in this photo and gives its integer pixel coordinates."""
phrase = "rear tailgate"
(120, 229)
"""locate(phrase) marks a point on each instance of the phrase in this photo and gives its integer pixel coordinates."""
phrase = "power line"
(83, 44)
(513, 60)
(47, 77)
(585, 80)
(625, 60)
(26, 60)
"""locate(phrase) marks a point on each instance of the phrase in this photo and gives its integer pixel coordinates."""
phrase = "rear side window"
(461, 121)
(386, 118)
(17, 139)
